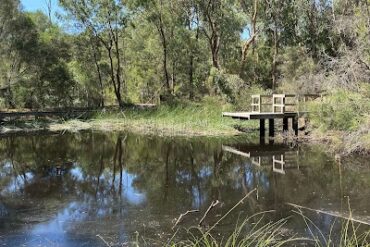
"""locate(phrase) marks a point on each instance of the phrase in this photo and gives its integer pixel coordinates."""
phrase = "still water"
(100, 189)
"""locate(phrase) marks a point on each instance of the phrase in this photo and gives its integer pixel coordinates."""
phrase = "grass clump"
(349, 234)
(182, 118)
(343, 117)
(273, 234)
(341, 110)
(246, 233)
(250, 232)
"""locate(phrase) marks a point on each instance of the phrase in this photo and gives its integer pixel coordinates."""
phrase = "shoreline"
(111, 125)
(335, 141)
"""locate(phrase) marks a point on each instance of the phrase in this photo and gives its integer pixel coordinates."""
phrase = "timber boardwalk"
(271, 107)
(66, 112)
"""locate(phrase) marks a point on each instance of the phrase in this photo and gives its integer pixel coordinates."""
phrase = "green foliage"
(33, 70)
(243, 98)
(341, 110)
(296, 68)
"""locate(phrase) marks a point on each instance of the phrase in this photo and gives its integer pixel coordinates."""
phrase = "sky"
(33, 5)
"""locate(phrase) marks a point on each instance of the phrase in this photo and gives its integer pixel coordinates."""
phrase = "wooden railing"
(279, 103)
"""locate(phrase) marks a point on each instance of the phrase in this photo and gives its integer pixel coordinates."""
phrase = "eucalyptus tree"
(171, 31)
(165, 17)
(90, 69)
(106, 21)
(212, 17)
(191, 10)
(34, 56)
(222, 25)
(251, 9)
(17, 33)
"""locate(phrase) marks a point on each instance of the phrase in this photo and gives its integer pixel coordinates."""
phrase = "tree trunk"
(165, 55)
(214, 36)
(313, 29)
(118, 73)
(274, 59)
(191, 76)
(275, 46)
(192, 56)
(173, 77)
(163, 38)
(251, 40)
(215, 47)
(100, 80)
(113, 78)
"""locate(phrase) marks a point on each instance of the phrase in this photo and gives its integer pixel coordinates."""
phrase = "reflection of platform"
(281, 157)
(235, 151)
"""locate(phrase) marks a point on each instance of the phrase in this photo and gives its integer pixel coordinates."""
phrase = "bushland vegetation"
(104, 52)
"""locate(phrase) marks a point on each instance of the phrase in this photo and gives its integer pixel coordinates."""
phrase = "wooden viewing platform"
(271, 107)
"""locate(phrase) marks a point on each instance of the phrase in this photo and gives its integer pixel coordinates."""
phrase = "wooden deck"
(275, 106)
(262, 115)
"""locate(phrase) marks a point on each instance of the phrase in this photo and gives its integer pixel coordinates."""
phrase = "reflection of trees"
(111, 174)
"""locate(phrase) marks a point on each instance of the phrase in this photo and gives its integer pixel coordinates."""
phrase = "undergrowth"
(344, 117)
(203, 118)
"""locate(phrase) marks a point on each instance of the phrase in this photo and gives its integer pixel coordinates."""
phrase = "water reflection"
(279, 157)
(67, 189)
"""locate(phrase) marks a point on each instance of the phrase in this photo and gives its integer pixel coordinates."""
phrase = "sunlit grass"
(180, 119)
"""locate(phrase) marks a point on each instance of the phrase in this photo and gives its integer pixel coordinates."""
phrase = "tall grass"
(349, 235)
(258, 230)
(256, 233)
(250, 232)
(204, 118)
(247, 233)
(342, 117)
(341, 110)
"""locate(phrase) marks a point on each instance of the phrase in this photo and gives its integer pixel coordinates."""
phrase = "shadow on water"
(75, 189)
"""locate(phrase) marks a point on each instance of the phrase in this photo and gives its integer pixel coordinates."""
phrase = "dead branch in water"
(213, 204)
(105, 242)
(349, 218)
(183, 215)
(228, 212)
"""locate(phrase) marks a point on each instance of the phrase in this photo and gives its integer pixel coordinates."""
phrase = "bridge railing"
(280, 103)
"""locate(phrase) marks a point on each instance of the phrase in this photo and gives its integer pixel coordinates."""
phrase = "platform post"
(271, 127)
(295, 125)
(262, 128)
(285, 124)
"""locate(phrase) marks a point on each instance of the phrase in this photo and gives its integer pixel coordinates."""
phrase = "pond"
(109, 189)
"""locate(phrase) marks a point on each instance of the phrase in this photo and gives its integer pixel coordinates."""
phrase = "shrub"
(341, 110)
